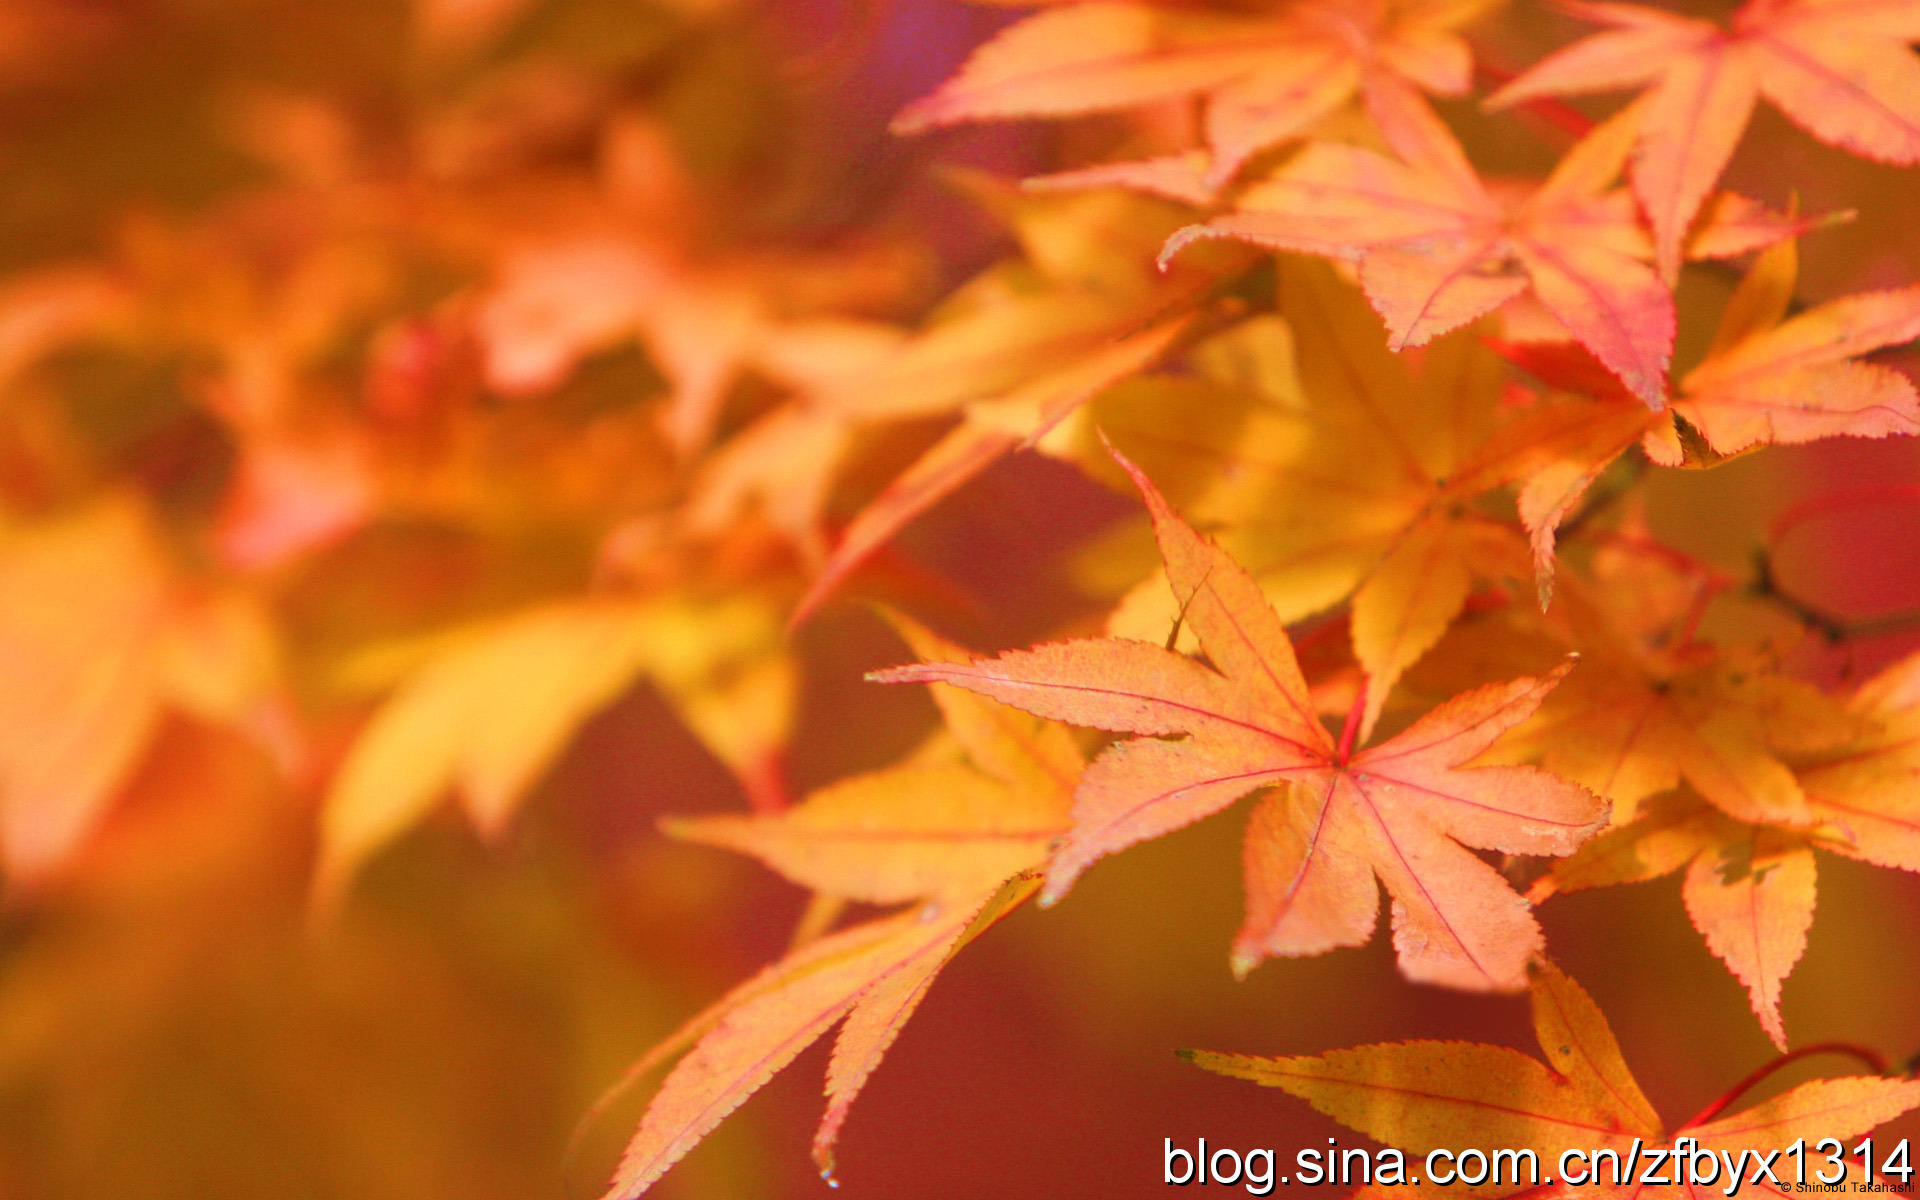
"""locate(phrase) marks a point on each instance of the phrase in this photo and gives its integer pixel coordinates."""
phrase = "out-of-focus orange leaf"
(492, 707)
(1265, 78)
(98, 637)
(47, 310)
(1021, 347)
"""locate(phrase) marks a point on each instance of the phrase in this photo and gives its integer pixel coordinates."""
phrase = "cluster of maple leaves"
(1364, 392)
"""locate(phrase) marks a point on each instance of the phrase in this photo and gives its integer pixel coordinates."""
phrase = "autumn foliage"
(472, 470)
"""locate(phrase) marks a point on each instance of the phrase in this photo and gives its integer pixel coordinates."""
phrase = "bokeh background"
(305, 203)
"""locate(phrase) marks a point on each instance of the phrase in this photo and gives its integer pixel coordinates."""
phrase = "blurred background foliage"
(335, 334)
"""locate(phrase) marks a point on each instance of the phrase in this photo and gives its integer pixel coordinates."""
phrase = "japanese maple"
(434, 433)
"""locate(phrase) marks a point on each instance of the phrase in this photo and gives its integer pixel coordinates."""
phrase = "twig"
(1868, 1057)
(1834, 628)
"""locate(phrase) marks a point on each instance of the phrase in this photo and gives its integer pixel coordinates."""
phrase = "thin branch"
(1872, 1059)
(1351, 729)
(1829, 625)
(1551, 109)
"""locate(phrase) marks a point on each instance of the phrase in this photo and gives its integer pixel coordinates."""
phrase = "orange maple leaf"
(1797, 380)
(959, 829)
(1437, 247)
(1345, 472)
(1866, 791)
(1265, 77)
(1426, 1095)
(101, 635)
(872, 975)
(1018, 349)
(1398, 810)
(1750, 887)
(1764, 381)
(1651, 706)
(1839, 68)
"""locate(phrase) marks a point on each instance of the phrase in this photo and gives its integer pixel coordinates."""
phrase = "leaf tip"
(1839, 216)
(1156, 503)
(810, 603)
(680, 829)
(917, 117)
(1180, 239)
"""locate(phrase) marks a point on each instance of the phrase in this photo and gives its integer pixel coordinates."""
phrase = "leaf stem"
(1551, 109)
(1868, 1057)
(1351, 729)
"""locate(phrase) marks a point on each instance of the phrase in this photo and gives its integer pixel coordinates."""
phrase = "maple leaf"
(1865, 791)
(959, 829)
(291, 495)
(1437, 248)
(99, 637)
(1182, 177)
(1018, 349)
(1764, 381)
(556, 302)
(1839, 70)
(969, 811)
(1427, 1095)
(872, 976)
(782, 465)
(491, 706)
(1397, 810)
(602, 270)
(1750, 887)
(1264, 77)
(1332, 468)
(1653, 706)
